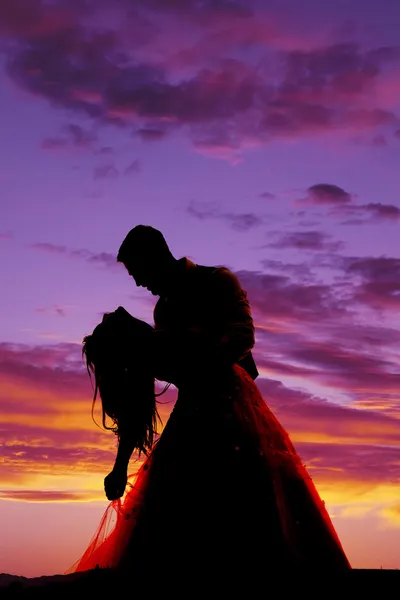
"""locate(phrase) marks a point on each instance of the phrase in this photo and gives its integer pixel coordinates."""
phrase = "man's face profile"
(146, 274)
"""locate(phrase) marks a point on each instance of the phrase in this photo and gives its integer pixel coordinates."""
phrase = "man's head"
(147, 258)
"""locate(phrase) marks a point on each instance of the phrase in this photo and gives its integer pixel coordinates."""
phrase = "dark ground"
(103, 583)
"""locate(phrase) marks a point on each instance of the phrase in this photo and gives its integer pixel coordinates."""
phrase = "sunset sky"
(263, 135)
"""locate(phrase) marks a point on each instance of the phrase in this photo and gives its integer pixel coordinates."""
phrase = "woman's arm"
(126, 446)
(116, 480)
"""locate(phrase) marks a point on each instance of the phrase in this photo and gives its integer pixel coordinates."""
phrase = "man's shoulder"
(205, 269)
(211, 273)
(212, 269)
(191, 268)
(218, 276)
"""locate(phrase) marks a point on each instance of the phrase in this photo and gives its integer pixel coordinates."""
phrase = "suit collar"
(186, 265)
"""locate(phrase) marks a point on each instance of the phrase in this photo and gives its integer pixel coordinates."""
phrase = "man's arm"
(226, 336)
(232, 317)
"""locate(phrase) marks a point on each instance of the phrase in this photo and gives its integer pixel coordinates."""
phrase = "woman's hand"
(115, 484)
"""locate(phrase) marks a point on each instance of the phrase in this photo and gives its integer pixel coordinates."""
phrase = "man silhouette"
(202, 317)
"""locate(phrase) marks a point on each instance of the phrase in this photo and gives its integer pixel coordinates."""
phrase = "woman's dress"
(223, 494)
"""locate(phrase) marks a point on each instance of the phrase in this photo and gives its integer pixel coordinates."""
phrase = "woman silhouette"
(222, 493)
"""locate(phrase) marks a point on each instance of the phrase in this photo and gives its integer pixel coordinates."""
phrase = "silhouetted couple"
(222, 492)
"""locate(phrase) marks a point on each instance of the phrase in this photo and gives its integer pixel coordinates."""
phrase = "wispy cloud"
(239, 222)
(73, 137)
(305, 240)
(132, 168)
(99, 258)
(108, 171)
(59, 311)
(267, 196)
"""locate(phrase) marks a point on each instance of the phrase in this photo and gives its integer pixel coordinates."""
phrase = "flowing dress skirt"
(223, 494)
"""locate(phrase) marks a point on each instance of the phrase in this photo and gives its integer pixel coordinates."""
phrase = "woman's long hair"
(117, 355)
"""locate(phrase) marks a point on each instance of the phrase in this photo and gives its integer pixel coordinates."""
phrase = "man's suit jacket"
(208, 312)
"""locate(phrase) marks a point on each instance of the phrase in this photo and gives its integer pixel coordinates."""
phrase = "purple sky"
(264, 136)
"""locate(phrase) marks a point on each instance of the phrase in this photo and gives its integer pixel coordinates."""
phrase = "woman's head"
(116, 353)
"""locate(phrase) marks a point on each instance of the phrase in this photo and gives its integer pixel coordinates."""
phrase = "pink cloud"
(344, 367)
(364, 119)
(31, 20)
(338, 74)
(278, 297)
(386, 92)
(380, 281)
(384, 211)
(357, 438)
(222, 30)
(87, 96)
(327, 193)
(341, 203)
(316, 335)
(379, 141)
(149, 134)
(217, 148)
(46, 379)
(330, 365)
(224, 105)
(44, 496)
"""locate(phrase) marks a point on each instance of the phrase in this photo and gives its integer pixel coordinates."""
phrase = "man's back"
(211, 301)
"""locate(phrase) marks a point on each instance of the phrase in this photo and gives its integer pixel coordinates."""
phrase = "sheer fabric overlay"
(224, 476)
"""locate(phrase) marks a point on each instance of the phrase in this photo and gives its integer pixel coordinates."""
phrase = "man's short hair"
(142, 240)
